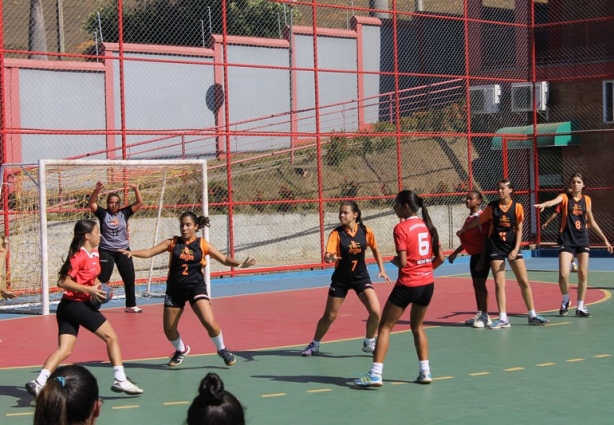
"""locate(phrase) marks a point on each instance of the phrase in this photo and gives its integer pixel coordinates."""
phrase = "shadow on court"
(307, 379)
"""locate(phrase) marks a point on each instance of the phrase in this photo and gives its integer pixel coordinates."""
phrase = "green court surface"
(562, 373)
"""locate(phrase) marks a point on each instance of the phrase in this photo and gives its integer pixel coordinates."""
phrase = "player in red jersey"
(504, 238)
(473, 242)
(78, 278)
(418, 254)
(186, 283)
(576, 219)
(346, 247)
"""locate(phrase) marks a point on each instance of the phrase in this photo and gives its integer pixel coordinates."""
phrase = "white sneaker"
(483, 321)
(34, 388)
(311, 350)
(134, 309)
(368, 347)
(424, 378)
(126, 386)
(475, 318)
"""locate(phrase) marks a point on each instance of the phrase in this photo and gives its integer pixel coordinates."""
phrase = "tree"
(180, 22)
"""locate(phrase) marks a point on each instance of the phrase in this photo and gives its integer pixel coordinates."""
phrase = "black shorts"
(178, 298)
(478, 274)
(340, 290)
(502, 256)
(73, 314)
(402, 296)
(574, 249)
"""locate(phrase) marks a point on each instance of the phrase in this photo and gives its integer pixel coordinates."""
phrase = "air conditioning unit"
(485, 99)
(523, 96)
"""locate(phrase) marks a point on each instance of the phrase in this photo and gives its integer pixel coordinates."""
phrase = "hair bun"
(212, 389)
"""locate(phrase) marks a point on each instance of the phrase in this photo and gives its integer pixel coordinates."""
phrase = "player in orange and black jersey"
(418, 254)
(78, 277)
(504, 238)
(346, 246)
(186, 282)
(576, 219)
(473, 242)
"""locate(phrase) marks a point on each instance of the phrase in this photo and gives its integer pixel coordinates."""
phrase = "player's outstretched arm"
(136, 205)
(549, 204)
(230, 262)
(150, 252)
(92, 201)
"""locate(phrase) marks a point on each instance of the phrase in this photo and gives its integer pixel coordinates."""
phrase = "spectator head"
(215, 406)
(70, 397)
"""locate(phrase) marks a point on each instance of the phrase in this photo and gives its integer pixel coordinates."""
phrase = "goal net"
(42, 203)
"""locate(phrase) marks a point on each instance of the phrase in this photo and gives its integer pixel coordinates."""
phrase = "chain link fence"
(299, 105)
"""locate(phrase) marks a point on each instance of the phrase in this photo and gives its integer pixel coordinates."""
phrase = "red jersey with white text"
(473, 239)
(187, 262)
(574, 221)
(413, 237)
(85, 268)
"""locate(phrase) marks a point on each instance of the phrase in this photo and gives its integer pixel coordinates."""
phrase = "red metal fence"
(435, 96)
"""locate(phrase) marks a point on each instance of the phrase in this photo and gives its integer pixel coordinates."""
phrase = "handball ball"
(108, 290)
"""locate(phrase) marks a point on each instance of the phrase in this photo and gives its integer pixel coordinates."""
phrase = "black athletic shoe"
(582, 313)
(228, 357)
(178, 357)
(564, 308)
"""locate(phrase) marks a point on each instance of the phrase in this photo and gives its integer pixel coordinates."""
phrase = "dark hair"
(477, 193)
(354, 207)
(507, 183)
(201, 221)
(82, 228)
(69, 397)
(579, 175)
(414, 202)
(215, 406)
(113, 195)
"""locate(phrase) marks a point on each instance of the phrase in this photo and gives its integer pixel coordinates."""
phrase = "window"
(608, 101)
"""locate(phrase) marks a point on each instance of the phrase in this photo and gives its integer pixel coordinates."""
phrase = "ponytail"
(415, 203)
(200, 221)
(82, 228)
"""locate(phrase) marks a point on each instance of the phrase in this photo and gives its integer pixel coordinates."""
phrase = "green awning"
(552, 134)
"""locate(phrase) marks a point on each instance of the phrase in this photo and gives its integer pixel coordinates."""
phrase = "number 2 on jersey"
(185, 269)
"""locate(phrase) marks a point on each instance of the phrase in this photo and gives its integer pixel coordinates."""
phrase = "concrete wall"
(273, 239)
(173, 89)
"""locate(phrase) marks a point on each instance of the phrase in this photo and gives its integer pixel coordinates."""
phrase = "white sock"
(479, 313)
(368, 341)
(315, 343)
(376, 369)
(565, 298)
(532, 314)
(503, 316)
(178, 344)
(118, 373)
(580, 305)
(424, 366)
(219, 342)
(43, 376)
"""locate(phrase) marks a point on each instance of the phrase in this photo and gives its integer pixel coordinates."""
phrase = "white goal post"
(54, 193)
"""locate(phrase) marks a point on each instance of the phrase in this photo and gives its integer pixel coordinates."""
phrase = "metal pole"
(59, 9)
